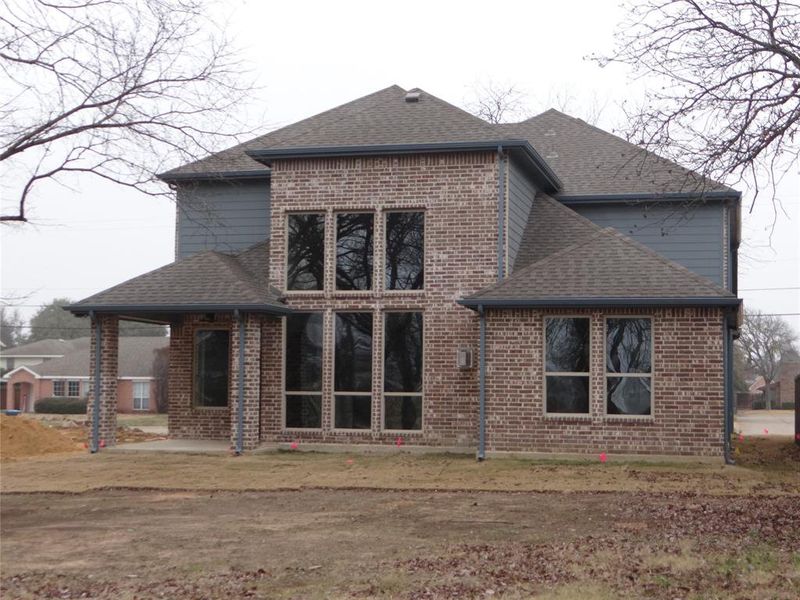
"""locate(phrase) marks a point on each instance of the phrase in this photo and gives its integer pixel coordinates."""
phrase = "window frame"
(63, 384)
(370, 393)
(384, 393)
(606, 374)
(70, 384)
(545, 372)
(357, 211)
(386, 212)
(325, 222)
(211, 327)
(285, 393)
(146, 383)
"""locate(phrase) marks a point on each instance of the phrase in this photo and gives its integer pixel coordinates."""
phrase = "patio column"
(247, 382)
(103, 370)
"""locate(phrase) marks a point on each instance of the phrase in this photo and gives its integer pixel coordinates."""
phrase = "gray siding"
(692, 237)
(224, 216)
(521, 192)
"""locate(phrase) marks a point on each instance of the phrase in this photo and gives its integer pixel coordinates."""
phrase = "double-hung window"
(352, 371)
(305, 251)
(405, 250)
(59, 388)
(354, 244)
(567, 365)
(402, 371)
(629, 366)
(211, 367)
(74, 389)
(303, 371)
(141, 395)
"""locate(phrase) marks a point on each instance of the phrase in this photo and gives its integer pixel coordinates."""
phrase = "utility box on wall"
(464, 358)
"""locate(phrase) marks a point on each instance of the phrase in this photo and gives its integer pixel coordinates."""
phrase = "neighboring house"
(782, 389)
(396, 267)
(67, 376)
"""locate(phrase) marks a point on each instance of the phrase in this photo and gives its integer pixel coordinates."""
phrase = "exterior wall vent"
(464, 358)
(412, 96)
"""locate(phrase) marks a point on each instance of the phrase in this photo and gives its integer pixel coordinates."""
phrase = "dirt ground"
(305, 525)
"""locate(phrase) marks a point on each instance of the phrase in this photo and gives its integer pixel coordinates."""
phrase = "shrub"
(61, 406)
(759, 405)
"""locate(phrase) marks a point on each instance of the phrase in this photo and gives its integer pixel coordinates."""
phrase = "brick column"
(109, 351)
(252, 381)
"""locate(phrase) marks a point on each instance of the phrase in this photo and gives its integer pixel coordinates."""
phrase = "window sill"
(568, 416)
(210, 408)
(630, 418)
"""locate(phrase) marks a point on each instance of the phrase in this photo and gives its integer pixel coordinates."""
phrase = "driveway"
(754, 422)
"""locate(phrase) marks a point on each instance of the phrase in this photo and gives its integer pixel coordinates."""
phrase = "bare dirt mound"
(21, 437)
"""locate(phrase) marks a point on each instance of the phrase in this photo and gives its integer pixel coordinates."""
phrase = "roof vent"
(412, 96)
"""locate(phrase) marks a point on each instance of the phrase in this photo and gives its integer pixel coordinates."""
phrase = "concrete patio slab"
(754, 422)
(184, 446)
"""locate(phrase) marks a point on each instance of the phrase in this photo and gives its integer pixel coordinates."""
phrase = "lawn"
(306, 525)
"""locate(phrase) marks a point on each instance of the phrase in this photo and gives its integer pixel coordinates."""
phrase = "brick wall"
(458, 193)
(688, 387)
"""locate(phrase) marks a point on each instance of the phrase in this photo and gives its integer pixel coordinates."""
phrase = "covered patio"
(218, 306)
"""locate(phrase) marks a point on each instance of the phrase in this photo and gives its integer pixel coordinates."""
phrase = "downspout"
(240, 407)
(482, 386)
(501, 213)
(95, 442)
(727, 357)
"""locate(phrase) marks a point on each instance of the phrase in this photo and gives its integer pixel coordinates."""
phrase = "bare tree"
(765, 341)
(161, 377)
(725, 98)
(497, 103)
(120, 89)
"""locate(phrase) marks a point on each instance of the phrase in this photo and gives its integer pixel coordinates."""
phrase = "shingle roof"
(602, 266)
(588, 160)
(551, 227)
(135, 359)
(383, 117)
(202, 280)
(50, 347)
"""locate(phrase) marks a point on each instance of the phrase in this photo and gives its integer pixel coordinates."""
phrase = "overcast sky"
(309, 57)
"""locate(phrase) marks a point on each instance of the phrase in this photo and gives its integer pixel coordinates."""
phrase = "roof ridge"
(232, 262)
(667, 262)
(489, 126)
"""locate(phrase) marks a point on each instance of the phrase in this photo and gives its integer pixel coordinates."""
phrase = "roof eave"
(661, 197)
(170, 177)
(541, 170)
(141, 309)
(475, 302)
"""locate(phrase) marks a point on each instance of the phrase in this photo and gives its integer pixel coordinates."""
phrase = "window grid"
(73, 389)
(141, 395)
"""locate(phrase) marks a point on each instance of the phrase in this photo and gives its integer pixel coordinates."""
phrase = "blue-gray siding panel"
(221, 216)
(521, 192)
(692, 237)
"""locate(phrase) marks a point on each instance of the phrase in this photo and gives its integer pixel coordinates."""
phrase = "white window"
(74, 389)
(141, 395)
(59, 388)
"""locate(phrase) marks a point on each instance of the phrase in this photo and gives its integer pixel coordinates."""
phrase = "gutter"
(545, 176)
(476, 303)
(95, 441)
(240, 406)
(85, 309)
(214, 175)
(666, 196)
(727, 358)
(482, 387)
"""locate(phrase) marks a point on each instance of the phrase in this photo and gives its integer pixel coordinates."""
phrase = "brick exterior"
(252, 382)
(458, 193)
(109, 360)
(688, 387)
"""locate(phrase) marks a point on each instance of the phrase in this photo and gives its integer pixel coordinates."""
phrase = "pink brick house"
(398, 267)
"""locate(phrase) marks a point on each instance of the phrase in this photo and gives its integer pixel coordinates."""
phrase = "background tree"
(498, 103)
(112, 88)
(53, 322)
(725, 100)
(765, 340)
(12, 331)
(161, 376)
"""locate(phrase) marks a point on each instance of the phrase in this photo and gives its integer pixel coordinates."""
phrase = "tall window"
(141, 395)
(352, 376)
(59, 388)
(402, 371)
(305, 269)
(354, 241)
(629, 368)
(74, 389)
(567, 364)
(211, 367)
(405, 250)
(303, 373)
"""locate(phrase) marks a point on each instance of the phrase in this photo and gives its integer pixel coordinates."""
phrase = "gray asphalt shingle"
(136, 356)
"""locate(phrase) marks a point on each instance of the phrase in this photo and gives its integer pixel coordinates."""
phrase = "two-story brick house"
(396, 267)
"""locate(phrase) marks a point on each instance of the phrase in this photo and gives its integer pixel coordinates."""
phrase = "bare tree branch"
(112, 88)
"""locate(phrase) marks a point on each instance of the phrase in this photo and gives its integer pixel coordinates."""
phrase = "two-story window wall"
(351, 352)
